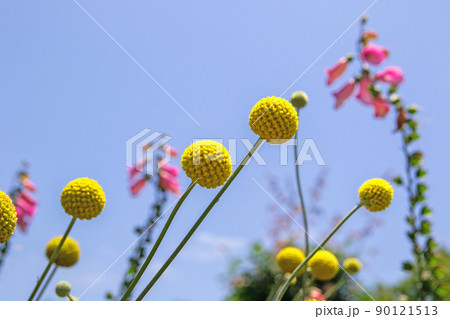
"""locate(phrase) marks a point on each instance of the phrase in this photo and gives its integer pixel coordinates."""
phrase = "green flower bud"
(63, 288)
(299, 99)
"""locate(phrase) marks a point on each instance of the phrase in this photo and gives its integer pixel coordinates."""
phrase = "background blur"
(70, 98)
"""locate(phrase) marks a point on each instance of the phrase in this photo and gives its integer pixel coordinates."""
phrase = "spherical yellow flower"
(324, 265)
(352, 265)
(8, 217)
(208, 163)
(274, 119)
(63, 289)
(69, 253)
(376, 194)
(299, 99)
(289, 258)
(83, 198)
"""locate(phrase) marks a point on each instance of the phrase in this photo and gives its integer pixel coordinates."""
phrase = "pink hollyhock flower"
(27, 198)
(137, 168)
(374, 54)
(381, 106)
(344, 93)
(28, 184)
(337, 70)
(138, 186)
(169, 150)
(364, 95)
(392, 75)
(22, 220)
(168, 177)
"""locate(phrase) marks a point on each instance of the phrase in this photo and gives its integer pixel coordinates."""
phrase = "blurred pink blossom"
(364, 95)
(337, 70)
(168, 177)
(169, 150)
(392, 75)
(28, 184)
(344, 93)
(381, 106)
(374, 54)
(137, 168)
(138, 186)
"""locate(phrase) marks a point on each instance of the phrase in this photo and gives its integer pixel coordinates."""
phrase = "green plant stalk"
(305, 219)
(199, 220)
(158, 242)
(50, 277)
(320, 246)
(335, 287)
(52, 259)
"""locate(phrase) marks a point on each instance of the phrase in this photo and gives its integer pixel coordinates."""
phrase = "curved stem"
(305, 219)
(52, 259)
(158, 242)
(335, 287)
(320, 246)
(199, 220)
(46, 283)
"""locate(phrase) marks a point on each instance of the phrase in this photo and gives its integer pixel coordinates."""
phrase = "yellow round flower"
(274, 119)
(208, 163)
(376, 194)
(324, 265)
(69, 253)
(299, 99)
(8, 217)
(352, 265)
(289, 258)
(83, 198)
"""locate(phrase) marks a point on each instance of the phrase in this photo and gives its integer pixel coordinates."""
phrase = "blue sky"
(70, 98)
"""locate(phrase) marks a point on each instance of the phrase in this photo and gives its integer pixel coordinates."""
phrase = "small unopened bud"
(63, 289)
(299, 99)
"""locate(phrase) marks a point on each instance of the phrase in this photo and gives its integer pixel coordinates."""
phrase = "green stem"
(320, 246)
(199, 220)
(158, 242)
(52, 259)
(335, 287)
(305, 219)
(47, 282)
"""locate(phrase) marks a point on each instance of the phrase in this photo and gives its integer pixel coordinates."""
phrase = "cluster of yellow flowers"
(8, 217)
(69, 253)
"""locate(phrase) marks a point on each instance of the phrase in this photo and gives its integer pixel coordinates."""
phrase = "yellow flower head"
(324, 265)
(208, 163)
(63, 288)
(352, 265)
(376, 194)
(8, 217)
(274, 119)
(299, 99)
(83, 198)
(69, 253)
(289, 258)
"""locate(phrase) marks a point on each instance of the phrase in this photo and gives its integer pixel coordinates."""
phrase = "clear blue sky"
(70, 98)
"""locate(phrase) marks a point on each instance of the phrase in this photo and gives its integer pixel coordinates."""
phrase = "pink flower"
(381, 106)
(374, 54)
(392, 75)
(344, 93)
(364, 95)
(168, 178)
(137, 168)
(169, 150)
(337, 70)
(27, 209)
(22, 220)
(138, 186)
(28, 184)
(27, 198)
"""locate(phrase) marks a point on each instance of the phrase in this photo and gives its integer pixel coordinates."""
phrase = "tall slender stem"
(52, 259)
(305, 219)
(320, 246)
(158, 242)
(199, 220)
(50, 277)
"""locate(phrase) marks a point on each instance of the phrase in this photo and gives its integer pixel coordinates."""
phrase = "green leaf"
(425, 210)
(425, 228)
(442, 292)
(407, 266)
(421, 173)
(412, 110)
(421, 188)
(397, 180)
(412, 124)
(431, 244)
